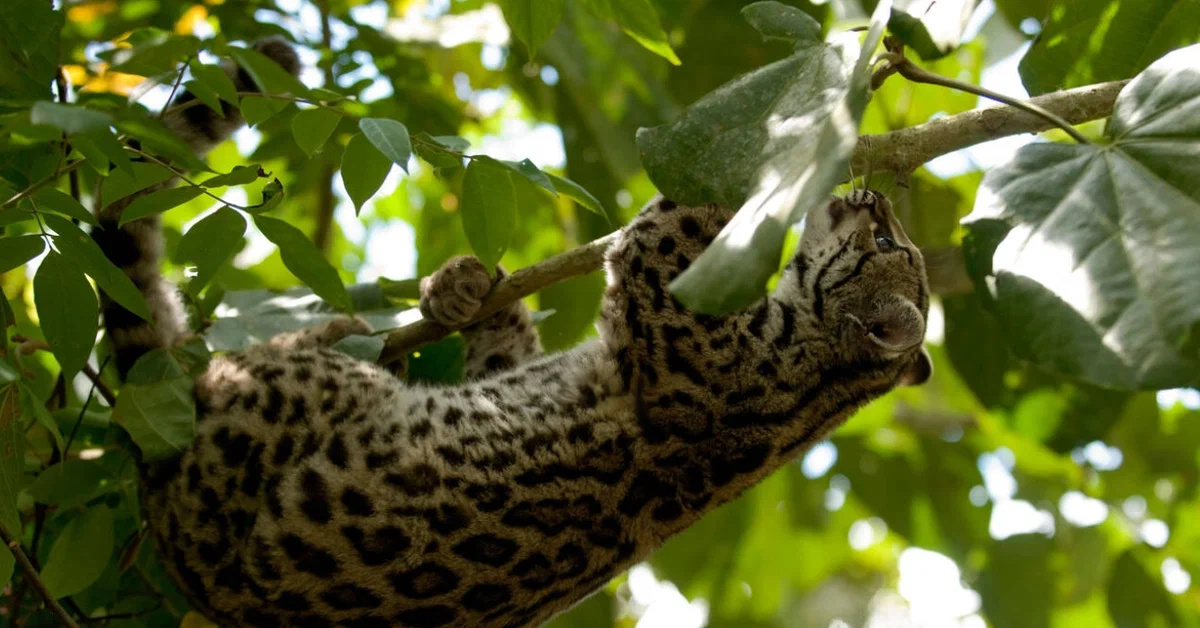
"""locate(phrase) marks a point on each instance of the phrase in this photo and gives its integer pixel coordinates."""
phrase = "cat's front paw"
(452, 295)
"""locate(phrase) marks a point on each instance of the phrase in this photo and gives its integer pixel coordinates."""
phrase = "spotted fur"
(323, 491)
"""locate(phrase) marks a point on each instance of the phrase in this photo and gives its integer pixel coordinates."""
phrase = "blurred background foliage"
(1000, 494)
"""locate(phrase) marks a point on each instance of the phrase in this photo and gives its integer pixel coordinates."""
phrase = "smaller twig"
(99, 385)
(175, 87)
(31, 575)
(917, 74)
(179, 173)
(96, 383)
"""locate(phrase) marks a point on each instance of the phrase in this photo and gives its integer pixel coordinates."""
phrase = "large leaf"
(390, 137)
(270, 77)
(305, 260)
(363, 170)
(775, 142)
(1095, 277)
(532, 21)
(1090, 41)
(159, 417)
(63, 203)
(67, 310)
(70, 483)
(29, 33)
(210, 243)
(933, 28)
(489, 209)
(312, 128)
(69, 118)
(80, 553)
(639, 20)
(159, 201)
(1137, 598)
(82, 251)
(16, 251)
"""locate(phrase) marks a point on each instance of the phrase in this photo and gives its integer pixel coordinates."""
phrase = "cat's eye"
(885, 243)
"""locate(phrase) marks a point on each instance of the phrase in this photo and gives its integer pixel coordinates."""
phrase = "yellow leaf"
(88, 12)
(187, 22)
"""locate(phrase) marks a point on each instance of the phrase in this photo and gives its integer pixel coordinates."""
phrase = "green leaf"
(306, 261)
(80, 553)
(140, 176)
(258, 109)
(365, 348)
(157, 139)
(1102, 285)
(937, 30)
(210, 243)
(240, 175)
(206, 95)
(451, 142)
(638, 19)
(215, 79)
(577, 193)
(158, 365)
(1137, 598)
(1018, 569)
(63, 203)
(1091, 41)
(16, 251)
(69, 118)
(158, 202)
(272, 195)
(12, 456)
(83, 252)
(363, 170)
(489, 209)
(575, 301)
(104, 143)
(270, 77)
(390, 137)
(70, 483)
(159, 417)
(312, 128)
(530, 171)
(533, 21)
(446, 151)
(774, 142)
(154, 52)
(29, 47)
(67, 310)
(32, 406)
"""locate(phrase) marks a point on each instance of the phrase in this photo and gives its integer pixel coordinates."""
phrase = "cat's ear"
(919, 371)
(896, 327)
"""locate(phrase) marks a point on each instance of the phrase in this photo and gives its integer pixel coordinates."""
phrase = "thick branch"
(900, 151)
(905, 150)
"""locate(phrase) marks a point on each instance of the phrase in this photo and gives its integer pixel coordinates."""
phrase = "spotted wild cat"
(323, 491)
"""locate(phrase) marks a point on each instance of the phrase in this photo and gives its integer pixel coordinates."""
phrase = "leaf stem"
(911, 71)
(31, 575)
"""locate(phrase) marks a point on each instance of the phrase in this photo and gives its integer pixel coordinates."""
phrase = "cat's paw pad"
(452, 295)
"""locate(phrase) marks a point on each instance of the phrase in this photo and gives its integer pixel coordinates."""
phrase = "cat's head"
(866, 283)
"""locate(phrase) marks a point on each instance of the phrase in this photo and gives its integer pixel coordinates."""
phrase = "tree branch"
(31, 575)
(900, 151)
(905, 150)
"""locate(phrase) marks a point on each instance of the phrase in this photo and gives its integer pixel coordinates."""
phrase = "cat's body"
(323, 491)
